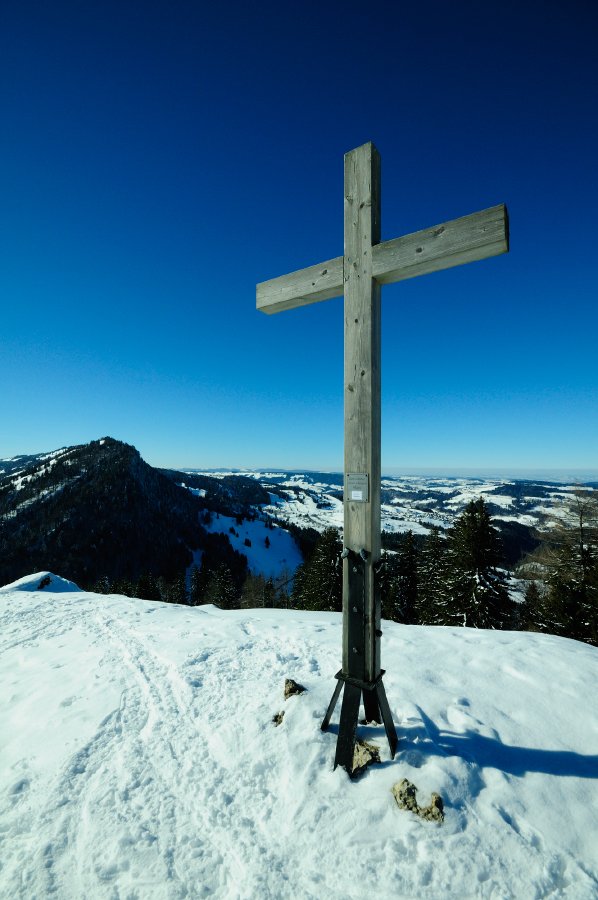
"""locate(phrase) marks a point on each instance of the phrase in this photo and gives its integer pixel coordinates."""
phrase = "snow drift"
(42, 581)
(140, 759)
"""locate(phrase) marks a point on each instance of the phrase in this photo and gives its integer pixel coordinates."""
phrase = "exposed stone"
(435, 811)
(44, 583)
(291, 687)
(278, 718)
(364, 755)
(405, 795)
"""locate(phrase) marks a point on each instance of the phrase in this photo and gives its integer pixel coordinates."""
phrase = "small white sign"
(356, 495)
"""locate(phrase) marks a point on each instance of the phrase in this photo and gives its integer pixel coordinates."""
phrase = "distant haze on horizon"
(561, 476)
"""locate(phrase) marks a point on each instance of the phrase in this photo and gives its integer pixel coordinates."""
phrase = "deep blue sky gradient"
(158, 159)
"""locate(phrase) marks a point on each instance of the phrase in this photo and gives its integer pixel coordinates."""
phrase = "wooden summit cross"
(366, 265)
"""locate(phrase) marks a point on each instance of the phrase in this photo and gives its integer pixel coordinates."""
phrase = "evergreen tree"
(197, 587)
(318, 583)
(269, 594)
(147, 587)
(568, 604)
(386, 578)
(178, 592)
(204, 579)
(532, 611)
(124, 587)
(283, 587)
(407, 581)
(399, 582)
(253, 591)
(571, 606)
(103, 585)
(221, 589)
(477, 591)
(432, 570)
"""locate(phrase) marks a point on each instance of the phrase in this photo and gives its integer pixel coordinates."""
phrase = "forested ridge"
(102, 517)
(99, 511)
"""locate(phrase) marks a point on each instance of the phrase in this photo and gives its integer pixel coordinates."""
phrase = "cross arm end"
(311, 285)
(470, 238)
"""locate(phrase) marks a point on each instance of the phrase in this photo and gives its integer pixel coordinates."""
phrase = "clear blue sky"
(158, 159)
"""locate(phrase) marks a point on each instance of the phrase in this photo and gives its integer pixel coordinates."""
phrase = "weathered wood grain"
(478, 236)
(362, 398)
(470, 238)
(310, 285)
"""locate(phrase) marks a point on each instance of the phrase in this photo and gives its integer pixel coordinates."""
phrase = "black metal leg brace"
(375, 705)
(371, 707)
(347, 729)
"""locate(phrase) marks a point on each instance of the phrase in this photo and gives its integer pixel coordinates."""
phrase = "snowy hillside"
(408, 502)
(140, 761)
(281, 556)
(16, 464)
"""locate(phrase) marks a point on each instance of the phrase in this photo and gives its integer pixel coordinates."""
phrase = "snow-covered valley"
(314, 500)
(140, 761)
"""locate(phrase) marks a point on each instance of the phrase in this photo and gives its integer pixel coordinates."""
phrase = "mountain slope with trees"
(562, 596)
(98, 511)
(455, 580)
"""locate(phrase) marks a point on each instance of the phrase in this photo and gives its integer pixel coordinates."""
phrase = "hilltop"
(99, 509)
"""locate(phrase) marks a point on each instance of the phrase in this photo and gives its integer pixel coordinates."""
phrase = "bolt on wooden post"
(359, 274)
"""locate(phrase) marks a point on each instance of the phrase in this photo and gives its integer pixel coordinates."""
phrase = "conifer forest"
(99, 515)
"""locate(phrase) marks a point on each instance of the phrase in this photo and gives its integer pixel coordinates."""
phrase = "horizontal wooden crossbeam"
(300, 288)
(478, 236)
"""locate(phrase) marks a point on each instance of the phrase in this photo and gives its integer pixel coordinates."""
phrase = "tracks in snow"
(157, 805)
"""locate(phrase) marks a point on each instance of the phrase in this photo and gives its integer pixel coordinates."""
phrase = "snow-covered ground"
(139, 759)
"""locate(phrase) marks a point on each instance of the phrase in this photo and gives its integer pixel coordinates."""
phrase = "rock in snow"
(291, 687)
(364, 755)
(405, 795)
(139, 760)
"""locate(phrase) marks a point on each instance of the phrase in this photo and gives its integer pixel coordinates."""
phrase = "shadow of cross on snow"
(492, 753)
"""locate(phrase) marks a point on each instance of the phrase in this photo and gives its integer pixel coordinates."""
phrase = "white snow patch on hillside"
(282, 554)
(302, 509)
(140, 759)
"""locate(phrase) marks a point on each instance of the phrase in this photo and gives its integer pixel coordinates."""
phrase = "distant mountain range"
(99, 509)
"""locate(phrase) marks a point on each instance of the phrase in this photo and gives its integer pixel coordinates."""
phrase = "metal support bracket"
(373, 693)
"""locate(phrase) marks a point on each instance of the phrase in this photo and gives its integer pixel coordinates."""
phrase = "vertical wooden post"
(362, 403)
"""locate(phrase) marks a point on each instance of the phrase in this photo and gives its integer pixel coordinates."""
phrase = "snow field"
(283, 553)
(140, 762)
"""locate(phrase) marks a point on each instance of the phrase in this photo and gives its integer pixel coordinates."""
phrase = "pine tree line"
(213, 582)
(455, 580)
(562, 596)
(452, 579)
